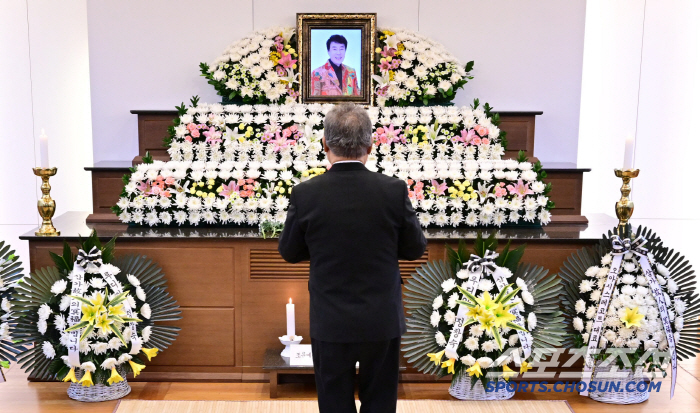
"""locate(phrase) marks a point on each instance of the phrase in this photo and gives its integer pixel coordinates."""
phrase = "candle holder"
(625, 207)
(46, 205)
(288, 344)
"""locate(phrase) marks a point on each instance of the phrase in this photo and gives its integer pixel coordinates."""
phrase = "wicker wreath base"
(614, 397)
(461, 388)
(99, 392)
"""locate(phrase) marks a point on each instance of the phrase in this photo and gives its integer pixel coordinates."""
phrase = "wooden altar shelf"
(153, 128)
(566, 179)
(232, 285)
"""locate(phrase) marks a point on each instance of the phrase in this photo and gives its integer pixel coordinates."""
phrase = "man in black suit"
(353, 225)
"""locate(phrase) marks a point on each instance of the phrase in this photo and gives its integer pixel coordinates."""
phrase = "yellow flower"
(475, 370)
(502, 316)
(98, 301)
(115, 377)
(508, 373)
(241, 126)
(450, 364)
(211, 195)
(475, 311)
(136, 368)
(466, 198)
(86, 381)
(486, 301)
(117, 310)
(103, 323)
(150, 352)
(89, 313)
(632, 318)
(487, 320)
(200, 183)
(70, 376)
(378, 50)
(211, 182)
(436, 357)
(525, 366)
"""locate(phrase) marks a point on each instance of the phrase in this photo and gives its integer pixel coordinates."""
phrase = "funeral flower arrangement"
(413, 69)
(631, 292)
(10, 273)
(478, 316)
(238, 164)
(410, 69)
(94, 318)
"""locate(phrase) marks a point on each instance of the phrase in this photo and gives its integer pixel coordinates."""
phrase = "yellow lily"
(525, 366)
(115, 377)
(71, 376)
(86, 381)
(136, 368)
(436, 357)
(450, 364)
(150, 352)
(632, 318)
(90, 313)
(487, 320)
(502, 316)
(117, 310)
(475, 370)
(508, 373)
(474, 312)
(486, 301)
(103, 322)
(98, 301)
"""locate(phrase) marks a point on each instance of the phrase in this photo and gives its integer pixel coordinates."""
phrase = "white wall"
(44, 79)
(641, 62)
(145, 55)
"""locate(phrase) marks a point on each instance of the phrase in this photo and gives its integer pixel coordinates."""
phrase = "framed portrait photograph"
(336, 52)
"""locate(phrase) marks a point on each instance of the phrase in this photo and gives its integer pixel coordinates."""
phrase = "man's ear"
(369, 150)
(325, 146)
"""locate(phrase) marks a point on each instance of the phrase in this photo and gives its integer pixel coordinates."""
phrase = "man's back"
(354, 225)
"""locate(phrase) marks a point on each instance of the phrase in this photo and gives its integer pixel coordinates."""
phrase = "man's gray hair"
(348, 131)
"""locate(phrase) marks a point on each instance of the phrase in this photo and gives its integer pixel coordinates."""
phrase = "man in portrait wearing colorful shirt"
(334, 78)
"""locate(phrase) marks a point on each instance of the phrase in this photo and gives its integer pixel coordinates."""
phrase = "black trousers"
(334, 367)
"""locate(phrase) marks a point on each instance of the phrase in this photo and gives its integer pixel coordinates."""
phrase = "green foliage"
(148, 158)
(271, 229)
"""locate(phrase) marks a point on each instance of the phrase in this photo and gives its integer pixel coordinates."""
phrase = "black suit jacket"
(354, 225)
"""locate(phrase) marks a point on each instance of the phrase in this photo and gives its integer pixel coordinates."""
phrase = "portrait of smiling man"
(335, 78)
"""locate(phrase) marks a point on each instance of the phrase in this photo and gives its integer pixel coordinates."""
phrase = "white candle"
(44, 149)
(629, 153)
(290, 320)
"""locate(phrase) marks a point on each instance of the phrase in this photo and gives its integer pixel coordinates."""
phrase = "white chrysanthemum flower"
(484, 362)
(592, 271)
(662, 270)
(435, 318)
(140, 294)
(114, 343)
(625, 332)
(440, 339)
(124, 358)
(452, 301)
(578, 324)
(59, 321)
(590, 312)
(489, 346)
(472, 343)
(462, 274)
(146, 333)
(641, 280)
(98, 283)
(531, 321)
(438, 302)
(628, 290)
(88, 366)
(44, 311)
(580, 306)
(610, 336)
(450, 317)
(133, 280)
(606, 260)
(650, 344)
(468, 360)
(59, 287)
(109, 363)
(85, 347)
(146, 310)
(595, 295)
(672, 286)
(100, 348)
(476, 330)
(448, 285)
(603, 272)
(485, 285)
(131, 302)
(628, 279)
(41, 325)
(630, 266)
(49, 351)
(678, 322)
(528, 298)
(513, 339)
(585, 286)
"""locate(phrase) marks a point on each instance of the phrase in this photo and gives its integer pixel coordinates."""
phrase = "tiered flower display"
(238, 164)
(92, 318)
(410, 69)
(511, 309)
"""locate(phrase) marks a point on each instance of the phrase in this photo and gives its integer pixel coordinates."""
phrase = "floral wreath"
(10, 273)
(94, 318)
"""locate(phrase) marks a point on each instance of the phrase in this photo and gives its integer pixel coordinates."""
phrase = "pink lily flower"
(230, 189)
(520, 189)
(144, 187)
(213, 136)
(280, 143)
(286, 60)
(438, 189)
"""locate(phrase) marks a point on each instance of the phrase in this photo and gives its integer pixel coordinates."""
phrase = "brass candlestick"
(46, 205)
(625, 207)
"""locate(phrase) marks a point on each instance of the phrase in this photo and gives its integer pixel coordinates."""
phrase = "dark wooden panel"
(567, 188)
(153, 127)
(106, 188)
(520, 133)
(206, 339)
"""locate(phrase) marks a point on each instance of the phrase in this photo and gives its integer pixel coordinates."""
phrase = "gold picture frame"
(321, 84)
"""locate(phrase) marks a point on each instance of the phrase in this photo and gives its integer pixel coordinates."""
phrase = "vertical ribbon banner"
(619, 248)
(92, 264)
(477, 266)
